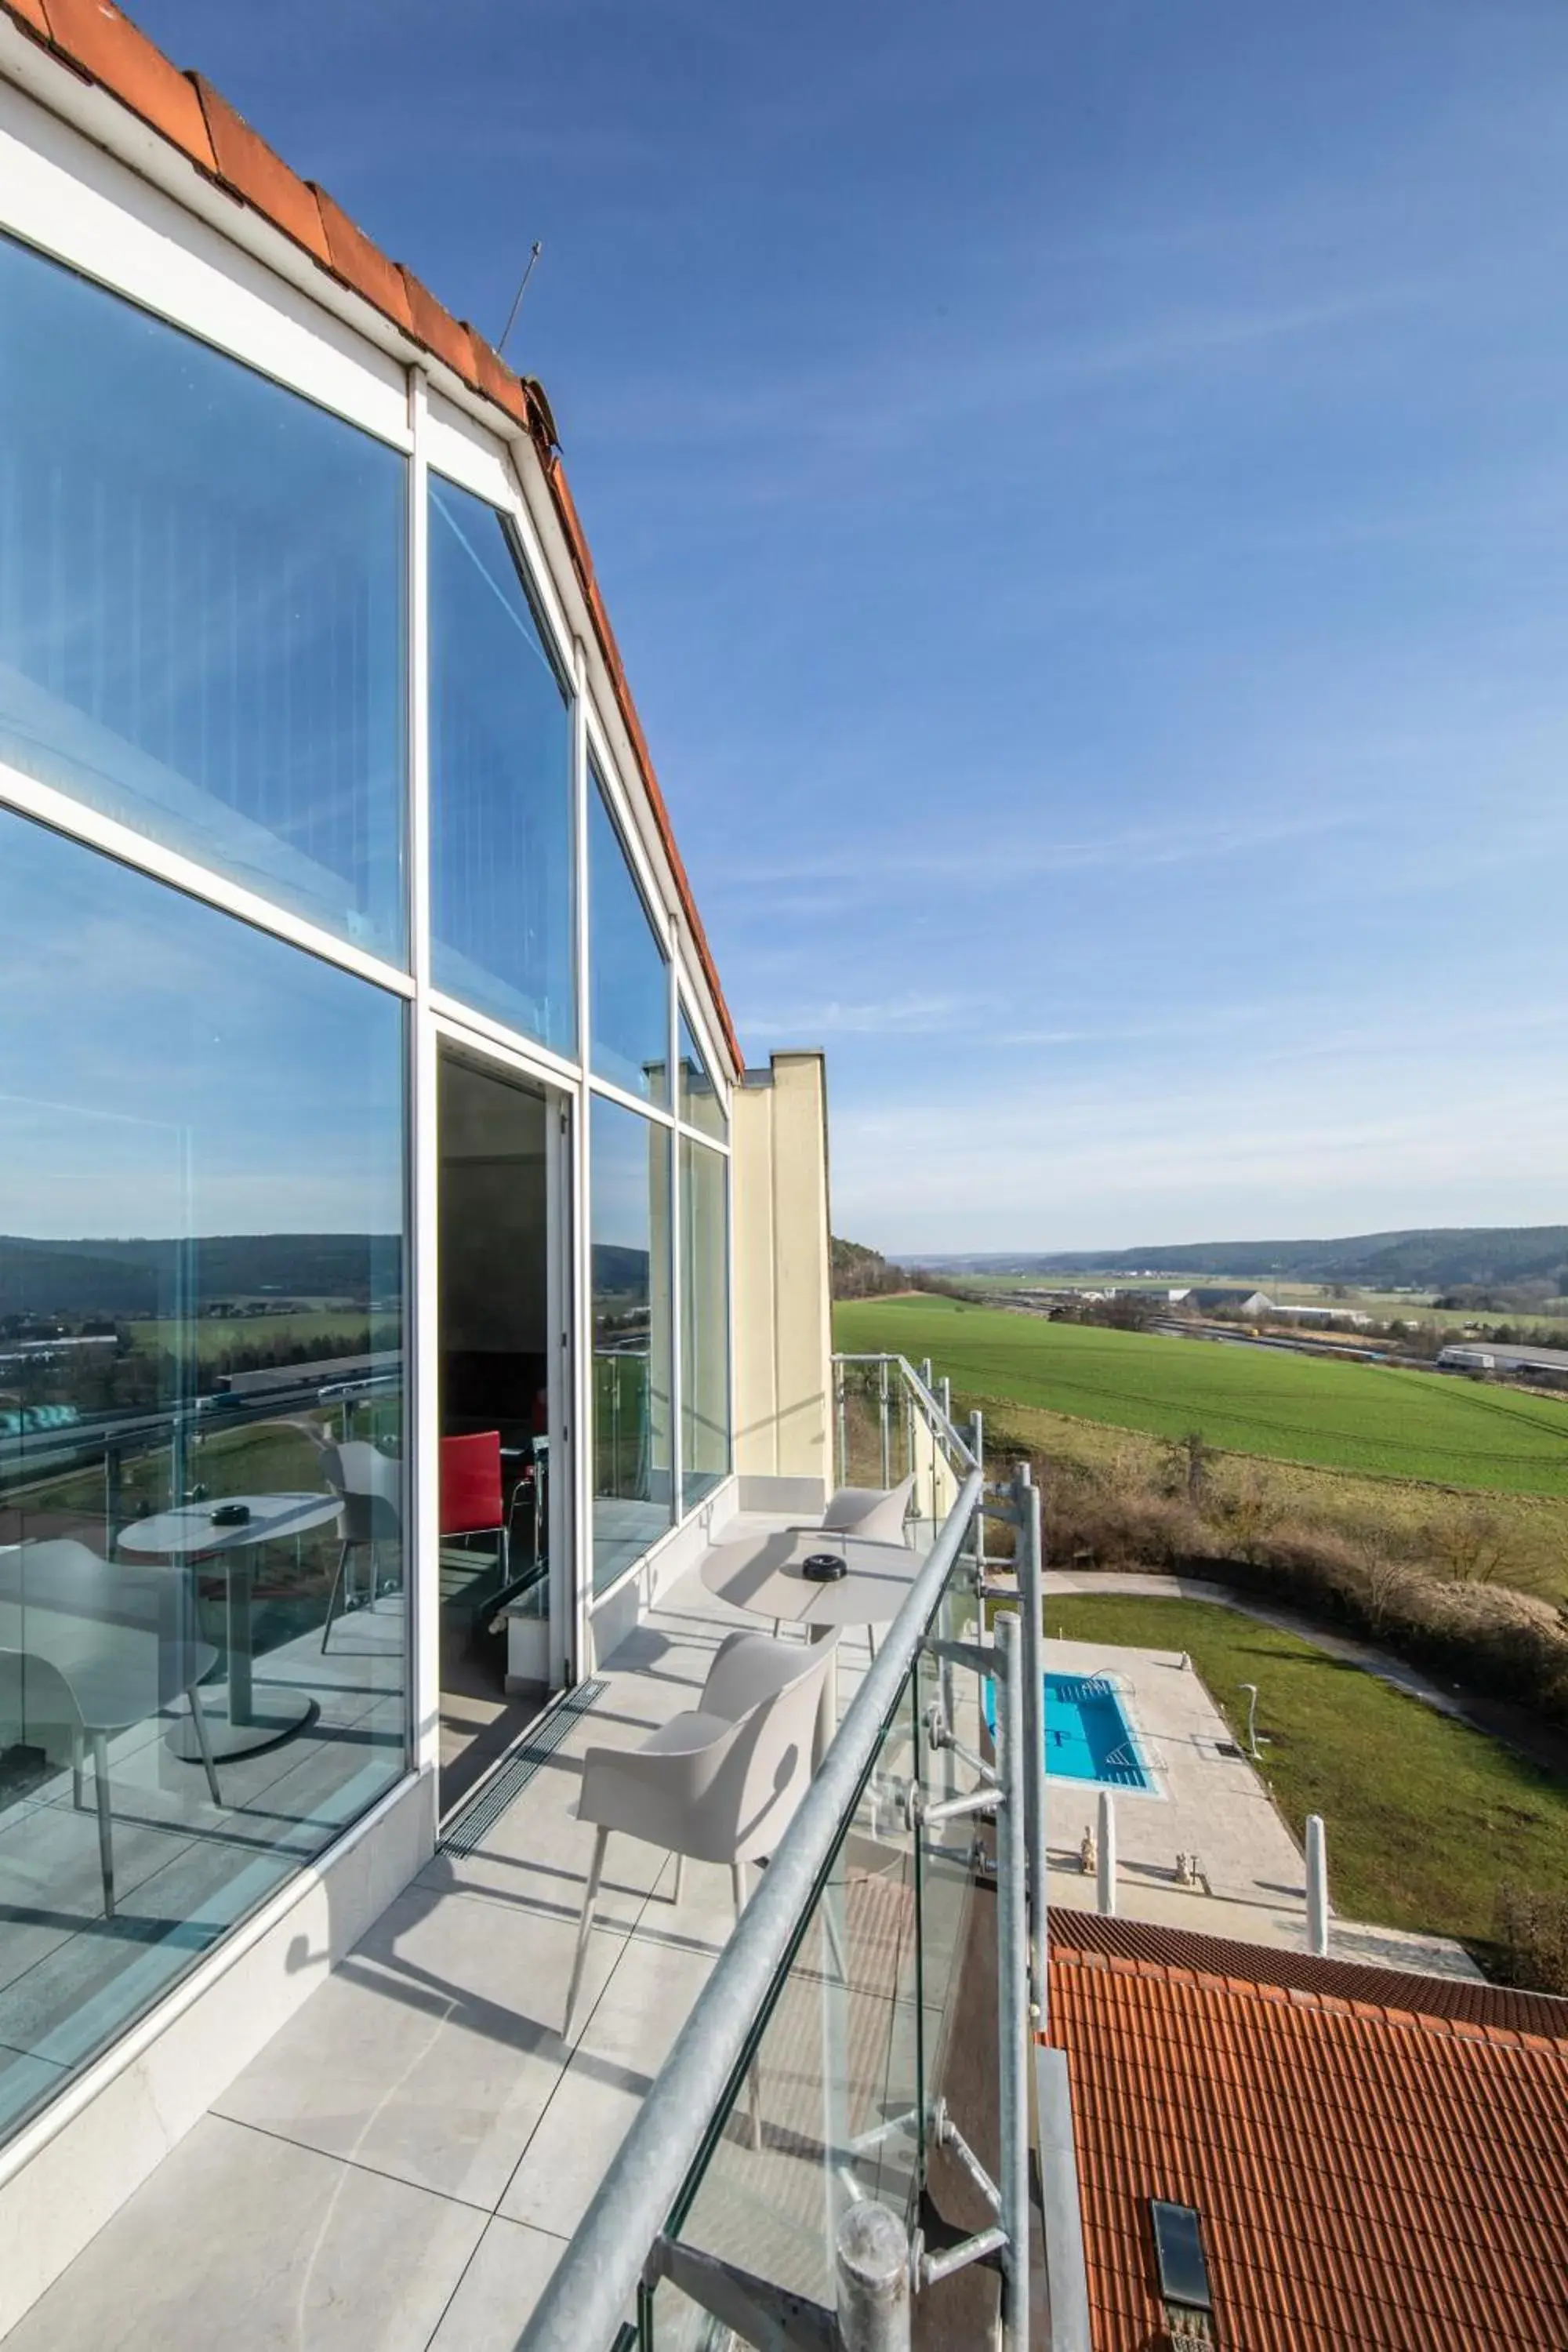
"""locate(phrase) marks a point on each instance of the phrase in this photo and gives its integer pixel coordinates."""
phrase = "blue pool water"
(1087, 1735)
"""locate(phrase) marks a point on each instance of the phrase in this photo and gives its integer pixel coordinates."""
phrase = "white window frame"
(66, 197)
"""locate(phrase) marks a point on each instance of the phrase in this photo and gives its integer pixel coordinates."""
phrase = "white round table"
(187, 1534)
(766, 1575)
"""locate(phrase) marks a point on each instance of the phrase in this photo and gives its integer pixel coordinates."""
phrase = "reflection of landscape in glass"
(103, 1373)
(632, 1367)
(704, 1321)
(201, 1433)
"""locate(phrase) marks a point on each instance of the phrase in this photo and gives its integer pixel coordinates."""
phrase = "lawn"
(1425, 1819)
(1361, 1417)
(329, 1331)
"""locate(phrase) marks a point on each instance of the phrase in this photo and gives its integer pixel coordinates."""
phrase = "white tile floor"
(402, 2165)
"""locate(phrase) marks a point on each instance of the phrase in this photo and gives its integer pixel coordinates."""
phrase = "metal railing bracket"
(763, 2314)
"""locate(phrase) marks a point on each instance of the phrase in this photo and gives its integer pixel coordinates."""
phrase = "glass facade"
(629, 1181)
(699, 1103)
(202, 1603)
(500, 782)
(202, 593)
(704, 1321)
(205, 1141)
(628, 974)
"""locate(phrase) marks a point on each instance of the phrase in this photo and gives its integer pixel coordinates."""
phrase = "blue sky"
(1083, 494)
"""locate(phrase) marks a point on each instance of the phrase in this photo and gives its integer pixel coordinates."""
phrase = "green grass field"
(1424, 1818)
(217, 1336)
(1360, 1417)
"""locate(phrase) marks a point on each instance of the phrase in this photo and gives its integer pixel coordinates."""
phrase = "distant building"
(1224, 1300)
(1547, 1365)
(1316, 1314)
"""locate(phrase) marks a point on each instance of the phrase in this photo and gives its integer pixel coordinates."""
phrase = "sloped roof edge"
(98, 42)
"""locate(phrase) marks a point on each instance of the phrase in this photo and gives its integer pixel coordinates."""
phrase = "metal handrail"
(589, 2290)
(943, 1423)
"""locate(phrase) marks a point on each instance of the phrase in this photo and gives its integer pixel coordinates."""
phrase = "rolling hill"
(1423, 1258)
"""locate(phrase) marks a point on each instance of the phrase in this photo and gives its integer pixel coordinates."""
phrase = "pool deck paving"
(1251, 1878)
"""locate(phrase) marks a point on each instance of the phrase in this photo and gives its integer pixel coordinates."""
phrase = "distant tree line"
(862, 1272)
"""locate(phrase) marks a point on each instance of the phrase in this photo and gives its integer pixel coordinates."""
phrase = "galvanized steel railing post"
(977, 1448)
(1031, 1606)
(840, 1386)
(1012, 2037)
(887, 1431)
(872, 2275)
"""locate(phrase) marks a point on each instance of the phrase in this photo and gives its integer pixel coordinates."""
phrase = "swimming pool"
(1087, 1735)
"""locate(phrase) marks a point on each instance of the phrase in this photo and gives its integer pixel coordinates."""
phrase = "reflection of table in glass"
(186, 1534)
(767, 1575)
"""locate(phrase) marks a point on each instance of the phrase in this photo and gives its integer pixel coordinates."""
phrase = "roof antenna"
(517, 299)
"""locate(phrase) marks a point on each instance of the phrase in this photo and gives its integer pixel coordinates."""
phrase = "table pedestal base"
(274, 1716)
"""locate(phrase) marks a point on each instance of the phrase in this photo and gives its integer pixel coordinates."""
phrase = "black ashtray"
(824, 1567)
(231, 1515)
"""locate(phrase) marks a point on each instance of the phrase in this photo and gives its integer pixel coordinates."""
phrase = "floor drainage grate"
(470, 1827)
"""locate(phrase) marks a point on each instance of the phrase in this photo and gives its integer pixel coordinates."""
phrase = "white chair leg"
(595, 1868)
(738, 1886)
(105, 1832)
(679, 1877)
(204, 1740)
(336, 1591)
(75, 1769)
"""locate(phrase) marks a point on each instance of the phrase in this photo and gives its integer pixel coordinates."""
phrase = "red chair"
(472, 1503)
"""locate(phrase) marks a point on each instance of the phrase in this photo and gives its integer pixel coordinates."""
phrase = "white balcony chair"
(720, 1781)
(870, 1514)
(874, 1514)
(92, 1649)
(370, 1484)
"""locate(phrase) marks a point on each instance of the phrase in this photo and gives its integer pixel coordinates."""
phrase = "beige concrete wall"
(783, 1303)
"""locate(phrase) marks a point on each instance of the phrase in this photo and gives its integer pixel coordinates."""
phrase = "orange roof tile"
(1126, 1942)
(99, 42)
(247, 166)
(1368, 2178)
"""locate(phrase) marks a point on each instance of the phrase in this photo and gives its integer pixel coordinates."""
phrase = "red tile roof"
(1461, 1997)
(1369, 2176)
(98, 41)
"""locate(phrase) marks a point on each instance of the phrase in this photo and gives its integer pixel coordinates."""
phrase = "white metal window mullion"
(580, 1559)
(144, 855)
(692, 1005)
(676, 1211)
(422, 1567)
(628, 1101)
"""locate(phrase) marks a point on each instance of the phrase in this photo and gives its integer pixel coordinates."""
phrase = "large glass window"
(201, 602)
(699, 1103)
(500, 782)
(202, 1614)
(704, 1321)
(629, 975)
(629, 1181)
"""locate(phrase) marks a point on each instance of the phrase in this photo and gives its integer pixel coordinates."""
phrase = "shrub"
(1533, 1935)
(1442, 1614)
